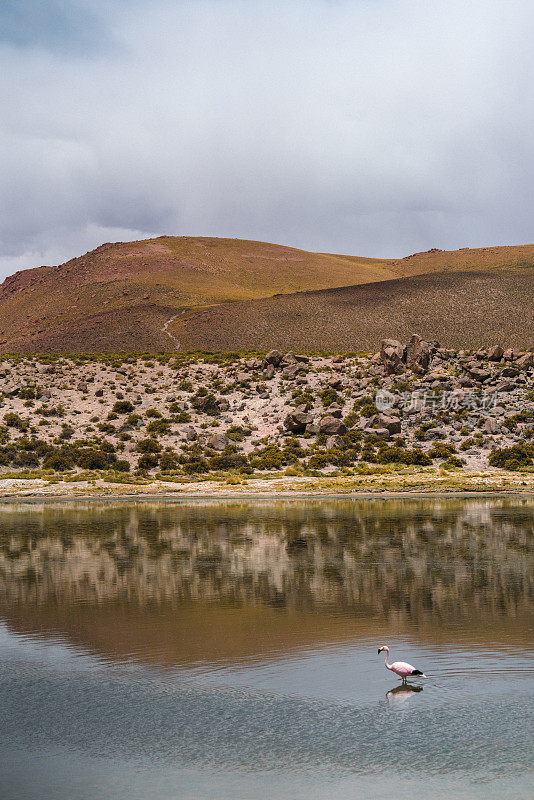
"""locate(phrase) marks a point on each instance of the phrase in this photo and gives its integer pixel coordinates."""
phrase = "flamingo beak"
(379, 650)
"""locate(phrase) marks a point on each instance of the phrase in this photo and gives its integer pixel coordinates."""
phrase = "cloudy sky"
(377, 127)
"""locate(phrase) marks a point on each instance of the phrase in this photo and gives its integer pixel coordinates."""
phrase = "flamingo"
(400, 668)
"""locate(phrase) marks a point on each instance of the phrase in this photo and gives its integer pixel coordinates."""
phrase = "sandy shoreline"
(395, 485)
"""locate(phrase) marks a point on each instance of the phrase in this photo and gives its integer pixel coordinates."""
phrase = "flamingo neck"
(388, 666)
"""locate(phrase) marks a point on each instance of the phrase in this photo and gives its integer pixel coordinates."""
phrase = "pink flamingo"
(400, 668)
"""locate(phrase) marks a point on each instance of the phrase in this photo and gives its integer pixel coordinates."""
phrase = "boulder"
(335, 411)
(380, 433)
(392, 424)
(495, 353)
(269, 372)
(418, 354)
(332, 426)
(479, 374)
(219, 441)
(273, 357)
(505, 386)
(391, 356)
(191, 433)
(333, 441)
(491, 426)
(291, 370)
(335, 383)
(297, 420)
(526, 361)
(207, 404)
(312, 428)
(289, 358)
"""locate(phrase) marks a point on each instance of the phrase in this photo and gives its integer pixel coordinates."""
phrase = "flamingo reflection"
(400, 694)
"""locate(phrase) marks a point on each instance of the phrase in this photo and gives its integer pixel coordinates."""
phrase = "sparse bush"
(158, 426)
(329, 396)
(148, 446)
(441, 450)
(13, 420)
(122, 407)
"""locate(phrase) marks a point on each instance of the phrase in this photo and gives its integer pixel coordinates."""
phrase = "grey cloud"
(64, 26)
(374, 128)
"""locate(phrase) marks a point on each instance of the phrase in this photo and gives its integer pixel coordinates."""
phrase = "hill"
(119, 296)
(133, 296)
(460, 309)
(435, 260)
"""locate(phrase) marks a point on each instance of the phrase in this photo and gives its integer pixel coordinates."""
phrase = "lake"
(228, 649)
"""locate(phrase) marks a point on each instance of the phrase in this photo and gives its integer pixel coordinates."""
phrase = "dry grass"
(460, 309)
(119, 296)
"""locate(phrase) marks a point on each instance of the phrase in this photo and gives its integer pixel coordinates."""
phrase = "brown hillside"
(460, 309)
(124, 296)
(137, 286)
(435, 260)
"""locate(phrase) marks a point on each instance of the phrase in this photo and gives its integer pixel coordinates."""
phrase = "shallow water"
(228, 649)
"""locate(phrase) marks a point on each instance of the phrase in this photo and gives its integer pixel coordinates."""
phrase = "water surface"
(228, 649)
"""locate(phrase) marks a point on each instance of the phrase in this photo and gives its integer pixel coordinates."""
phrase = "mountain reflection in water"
(215, 579)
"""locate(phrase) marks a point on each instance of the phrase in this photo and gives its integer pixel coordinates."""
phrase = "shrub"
(329, 396)
(441, 450)
(519, 455)
(235, 433)
(14, 421)
(158, 426)
(183, 416)
(148, 446)
(302, 397)
(228, 461)
(153, 413)
(268, 458)
(148, 461)
(122, 407)
(195, 464)
(66, 431)
(58, 461)
(94, 459)
(25, 459)
(453, 461)
(526, 415)
(399, 455)
(27, 393)
(168, 460)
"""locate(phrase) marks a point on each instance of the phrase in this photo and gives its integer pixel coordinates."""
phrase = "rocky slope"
(416, 405)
